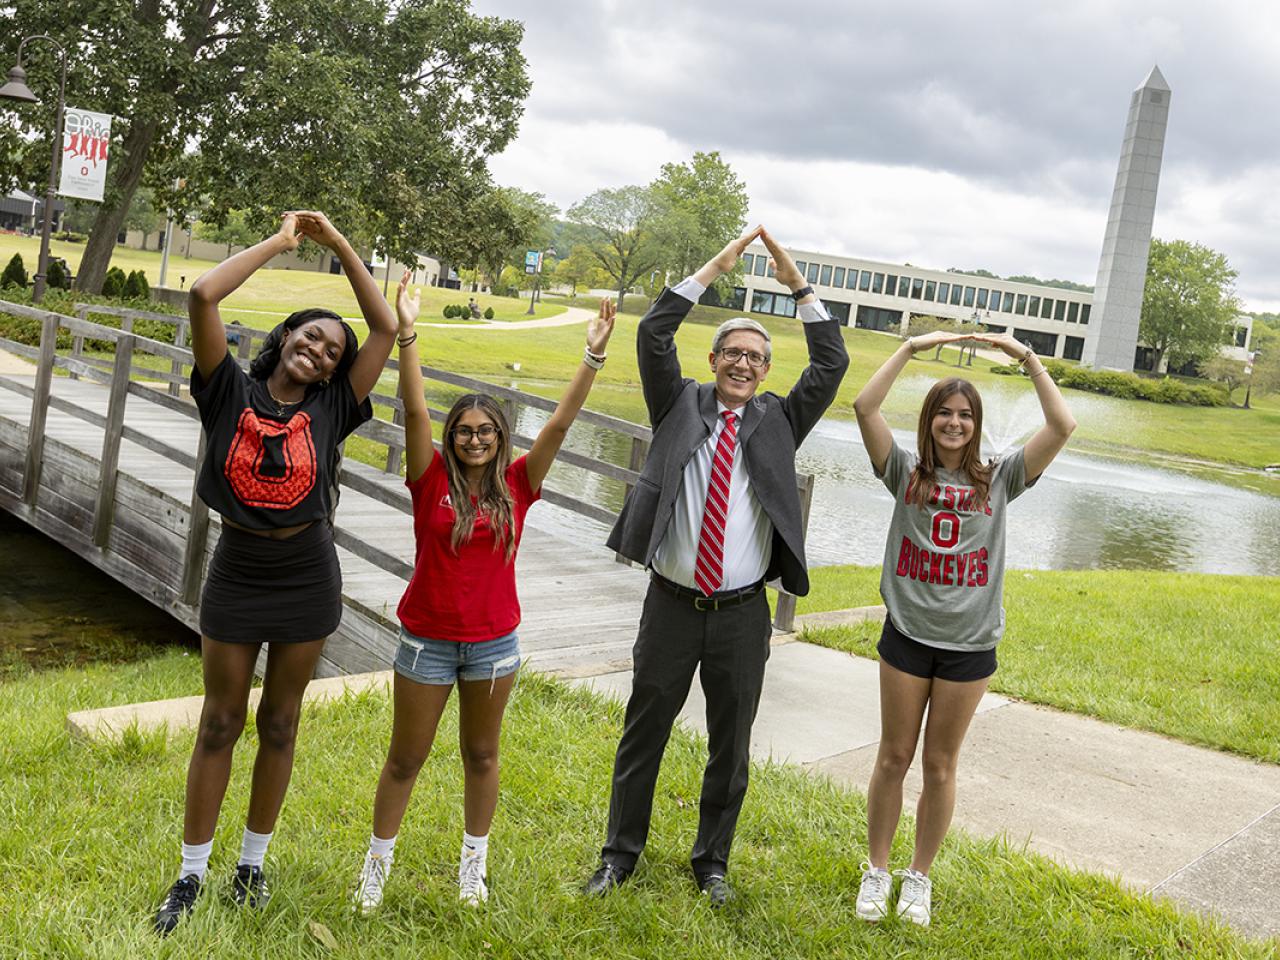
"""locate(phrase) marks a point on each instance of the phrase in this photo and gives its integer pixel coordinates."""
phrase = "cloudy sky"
(942, 134)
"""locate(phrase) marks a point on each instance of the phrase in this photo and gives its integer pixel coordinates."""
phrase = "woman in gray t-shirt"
(942, 584)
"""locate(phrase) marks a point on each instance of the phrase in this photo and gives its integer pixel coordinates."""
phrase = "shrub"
(15, 274)
(57, 275)
(136, 286)
(448, 311)
(488, 313)
(114, 282)
(70, 236)
(1127, 386)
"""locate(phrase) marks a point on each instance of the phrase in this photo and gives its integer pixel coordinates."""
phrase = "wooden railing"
(120, 375)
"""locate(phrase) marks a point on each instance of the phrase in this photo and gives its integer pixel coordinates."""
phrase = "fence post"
(77, 340)
(39, 409)
(639, 453)
(197, 536)
(179, 340)
(394, 452)
(104, 507)
(243, 347)
(784, 615)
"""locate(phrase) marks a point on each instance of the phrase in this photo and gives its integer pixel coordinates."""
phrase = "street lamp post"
(17, 89)
(537, 280)
(1248, 390)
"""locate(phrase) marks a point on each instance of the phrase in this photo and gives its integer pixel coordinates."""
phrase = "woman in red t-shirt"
(460, 612)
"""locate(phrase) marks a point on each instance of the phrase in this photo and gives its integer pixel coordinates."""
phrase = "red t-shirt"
(469, 595)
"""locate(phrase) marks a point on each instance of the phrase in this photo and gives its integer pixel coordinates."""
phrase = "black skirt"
(261, 589)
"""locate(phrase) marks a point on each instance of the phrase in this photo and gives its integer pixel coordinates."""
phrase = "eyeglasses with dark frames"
(732, 355)
(484, 433)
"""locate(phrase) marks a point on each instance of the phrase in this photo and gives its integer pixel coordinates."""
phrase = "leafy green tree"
(503, 223)
(382, 114)
(621, 229)
(1265, 346)
(143, 215)
(234, 231)
(580, 269)
(15, 273)
(1228, 372)
(1189, 302)
(703, 205)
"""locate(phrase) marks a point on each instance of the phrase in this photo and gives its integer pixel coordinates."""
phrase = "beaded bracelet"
(592, 360)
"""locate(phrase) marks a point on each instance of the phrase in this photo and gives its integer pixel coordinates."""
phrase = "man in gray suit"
(714, 514)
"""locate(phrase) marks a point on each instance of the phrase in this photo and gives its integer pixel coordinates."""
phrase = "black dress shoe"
(605, 879)
(180, 902)
(716, 889)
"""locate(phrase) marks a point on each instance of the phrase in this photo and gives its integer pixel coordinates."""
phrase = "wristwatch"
(803, 292)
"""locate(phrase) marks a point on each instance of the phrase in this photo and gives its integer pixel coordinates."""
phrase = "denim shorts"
(447, 661)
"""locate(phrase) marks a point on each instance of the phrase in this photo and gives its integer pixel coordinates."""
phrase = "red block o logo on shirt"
(271, 465)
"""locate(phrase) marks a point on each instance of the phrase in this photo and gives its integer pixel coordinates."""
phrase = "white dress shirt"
(748, 532)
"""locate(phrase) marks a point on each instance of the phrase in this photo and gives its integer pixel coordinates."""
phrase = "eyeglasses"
(732, 355)
(484, 434)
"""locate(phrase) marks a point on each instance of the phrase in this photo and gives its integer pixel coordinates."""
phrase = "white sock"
(381, 848)
(475, 846)
(195, 859)
(253, 848)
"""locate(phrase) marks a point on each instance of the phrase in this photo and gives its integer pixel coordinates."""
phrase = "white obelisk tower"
(1122, 270)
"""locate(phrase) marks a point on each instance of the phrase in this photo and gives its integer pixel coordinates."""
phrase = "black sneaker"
(179, 902)
(249, 887)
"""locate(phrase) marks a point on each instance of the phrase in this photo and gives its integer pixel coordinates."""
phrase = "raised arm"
(876, 436)
(373, 354)
(552, 434)
(817, 384)
(417, 420)
(208, 335)
(656, 355)
(1059, 424)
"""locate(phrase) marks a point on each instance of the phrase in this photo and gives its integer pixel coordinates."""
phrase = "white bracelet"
(591, 360)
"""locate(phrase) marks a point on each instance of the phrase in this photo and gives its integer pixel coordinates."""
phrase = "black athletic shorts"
(921, 660)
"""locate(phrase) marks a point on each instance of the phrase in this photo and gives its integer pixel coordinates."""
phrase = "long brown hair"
(925, 475)
(494, 501)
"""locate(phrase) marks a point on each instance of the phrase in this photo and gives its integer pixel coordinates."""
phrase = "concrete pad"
(1134, 805)
(11, 364)
(182, 713)
(816, 703)
(1238, 881)
(841, 618)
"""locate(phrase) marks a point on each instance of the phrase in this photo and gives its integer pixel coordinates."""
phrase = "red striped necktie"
(708, 572)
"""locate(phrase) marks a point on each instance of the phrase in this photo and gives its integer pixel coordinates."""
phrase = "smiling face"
(473, 443)
(952, 428)
(737, 382)
(310, 353)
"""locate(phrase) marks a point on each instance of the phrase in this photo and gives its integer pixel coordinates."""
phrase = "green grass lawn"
(89, 844)
(1187, 655)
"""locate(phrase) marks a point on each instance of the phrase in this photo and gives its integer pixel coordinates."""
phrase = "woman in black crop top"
(272, 436)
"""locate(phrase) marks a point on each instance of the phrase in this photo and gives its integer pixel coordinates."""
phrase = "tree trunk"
(110, 218)
(622, 293)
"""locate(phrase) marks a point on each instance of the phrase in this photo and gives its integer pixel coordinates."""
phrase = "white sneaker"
(914, 897)
(373, 877)
(873, 893)
(471, 886)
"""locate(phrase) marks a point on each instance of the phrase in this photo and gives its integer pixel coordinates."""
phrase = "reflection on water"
(1085, 513)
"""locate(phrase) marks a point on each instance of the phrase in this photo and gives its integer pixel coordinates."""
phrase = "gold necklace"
(280, 404)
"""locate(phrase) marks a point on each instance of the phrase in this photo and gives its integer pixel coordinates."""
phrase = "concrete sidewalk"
(1195, 825)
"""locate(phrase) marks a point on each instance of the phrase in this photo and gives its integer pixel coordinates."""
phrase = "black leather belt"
(717, 601)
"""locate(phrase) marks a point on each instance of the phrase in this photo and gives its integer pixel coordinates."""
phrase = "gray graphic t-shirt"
(943, 576)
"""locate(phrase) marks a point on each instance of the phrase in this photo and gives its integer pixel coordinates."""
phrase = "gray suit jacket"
(683, 414)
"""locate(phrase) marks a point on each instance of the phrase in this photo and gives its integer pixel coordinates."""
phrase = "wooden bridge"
(99, 447)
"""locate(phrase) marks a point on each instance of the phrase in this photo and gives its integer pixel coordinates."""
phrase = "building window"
(929, 289)
(851, 281)
(784, 305)
(761, 263)
(1060, 310)
(838, 280)
(917, 288)
(839, 311)
(955, 294)
(1084, 312)
(761, 302)
(1046, 309)
(1008, 303)
(748, 261)
(904, 286)
(994, 327)
(734, 301)
(968, 297)
(864, 281)
(873, 318)
(825, 279)
(982, 299)
(1033, 308)
(1021, 307)
(800, 265)
(891, 285)
(877, 283)
(944, 291)
(1073, 312)
(1042, 343)
(812, 275)
(1073, 348)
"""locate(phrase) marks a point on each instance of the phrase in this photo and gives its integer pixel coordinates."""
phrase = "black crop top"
(264, 469)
